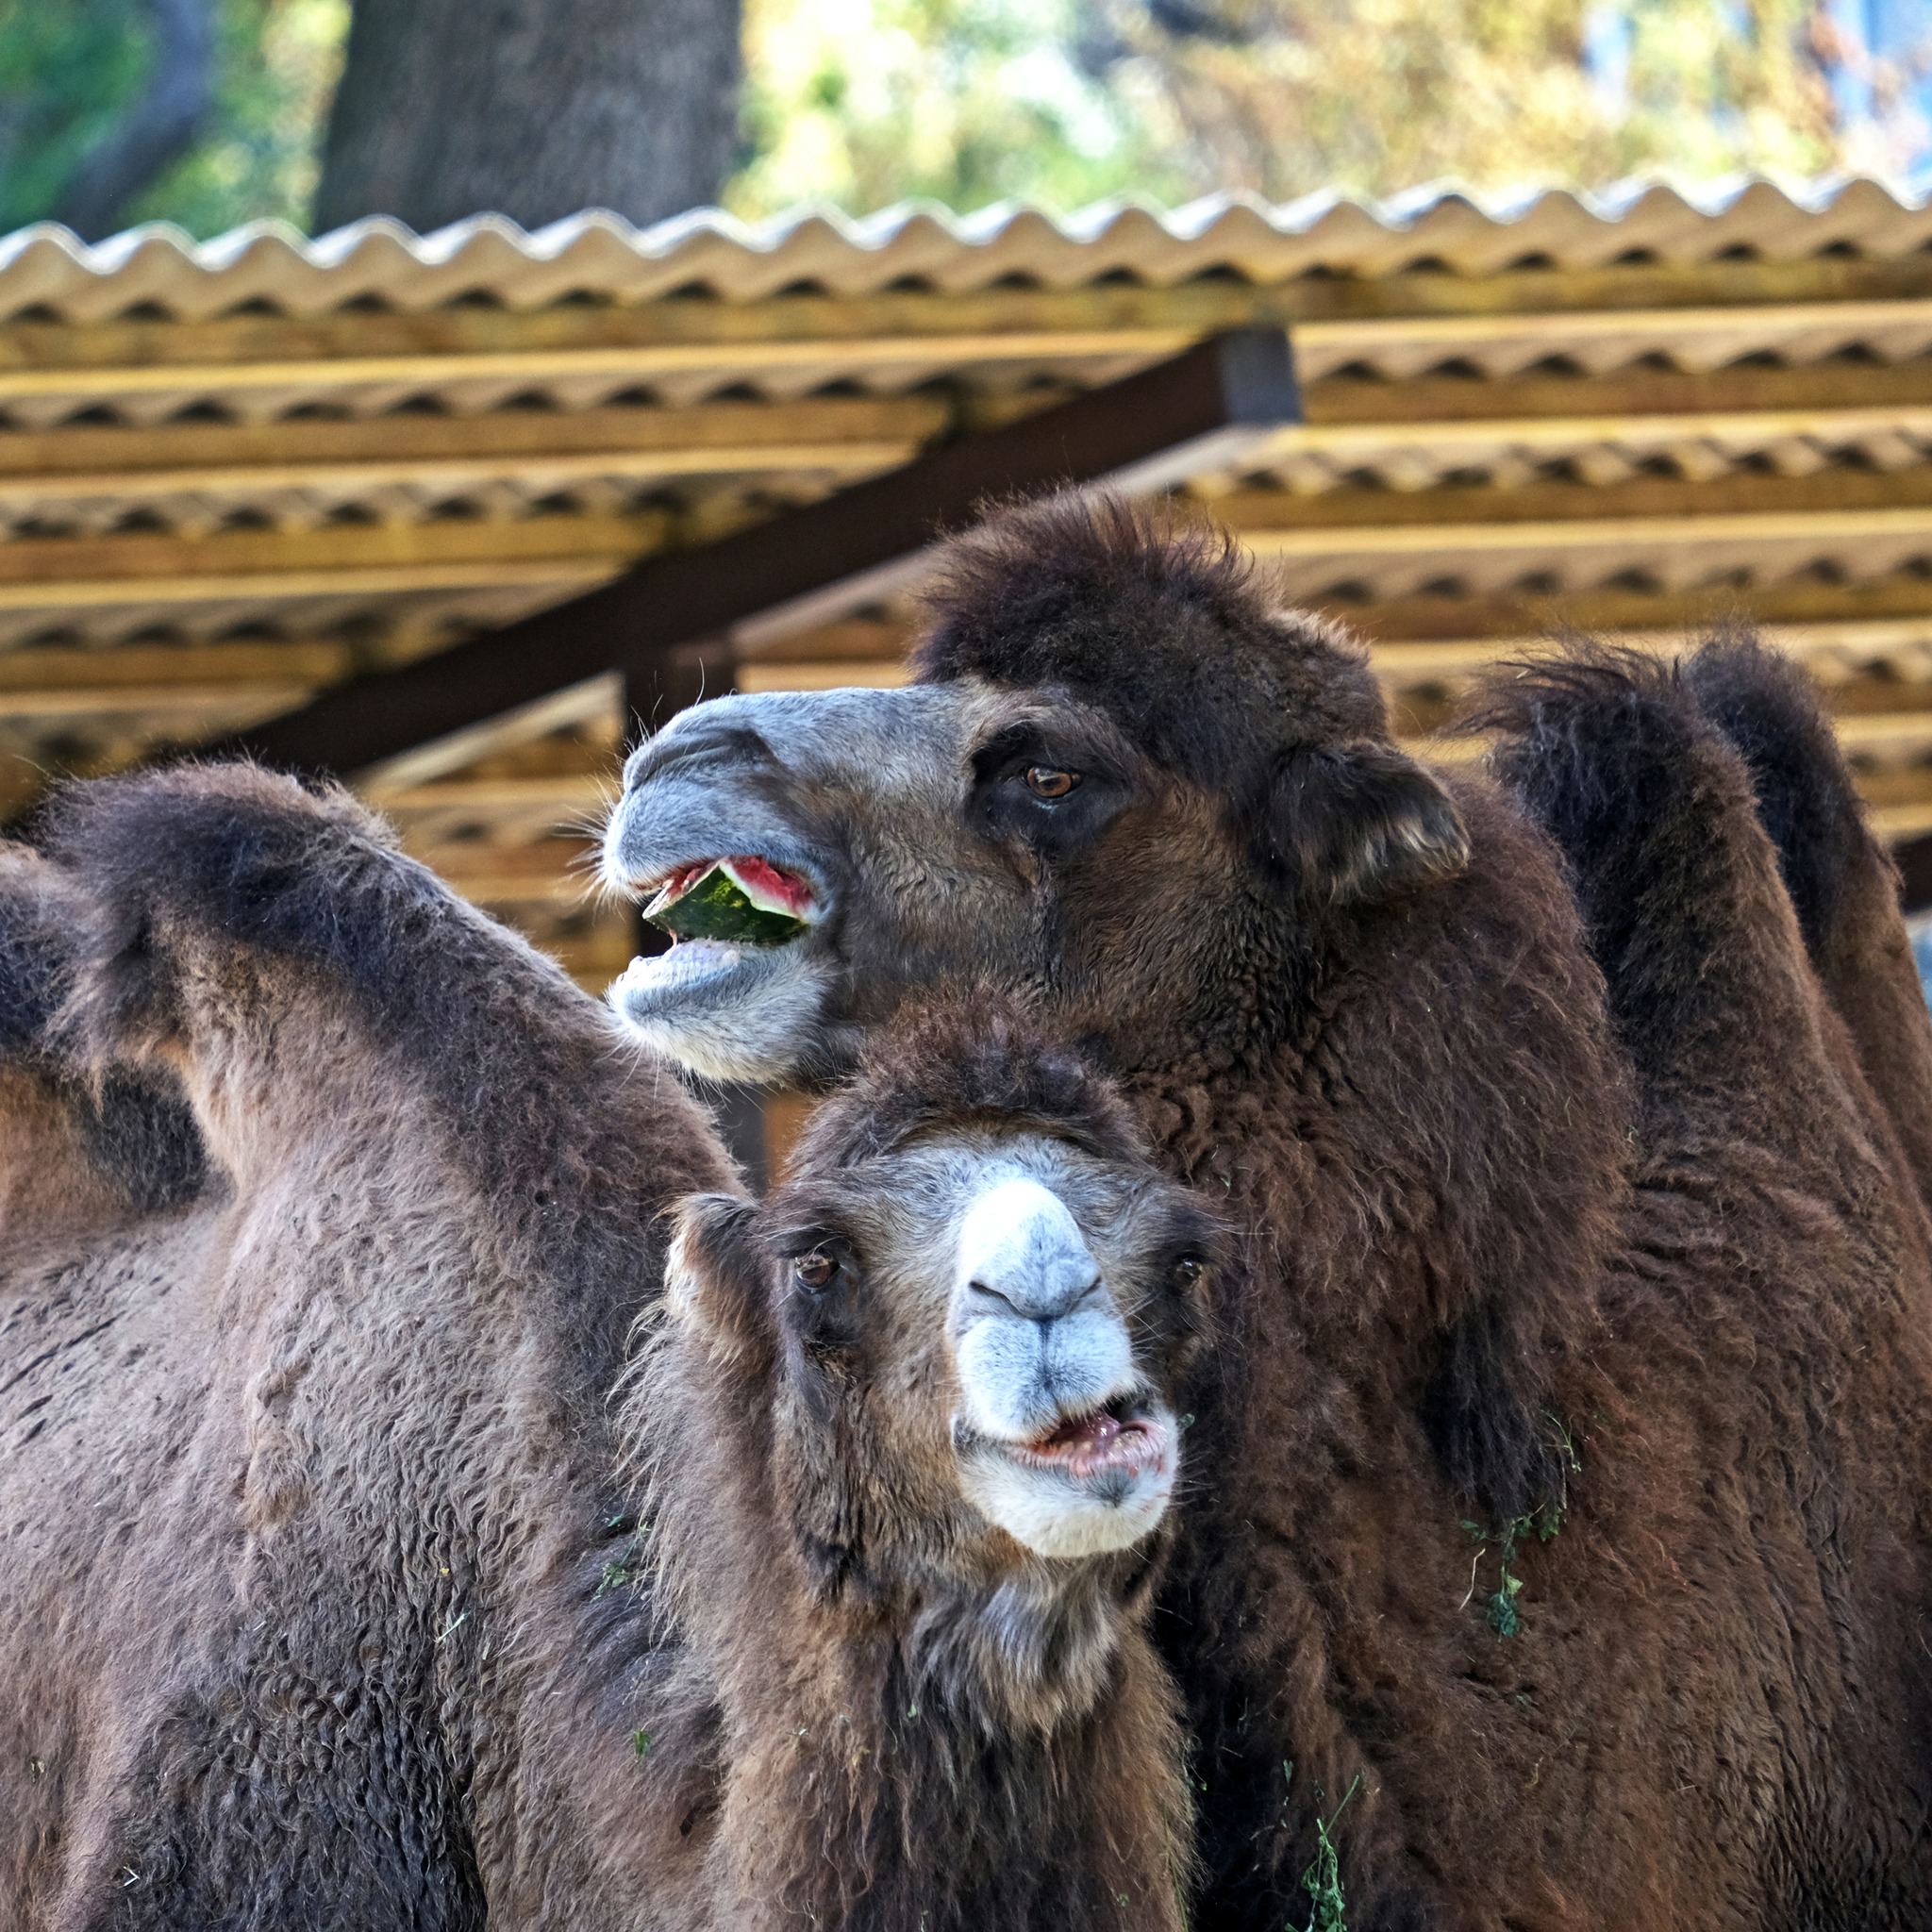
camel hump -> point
(1609, 751)
(200, 879)
(35, 956)
(130, 1127)
(1843, 885)
(265, 942)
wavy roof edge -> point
(597, 253)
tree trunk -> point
(533, 108)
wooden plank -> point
(1400, 663)
(1833, 384)
(1256, 514)
(456, 473)
(1893, 822)
(1555, 333)
(306, 662)
(841, 673)
(578, 704)
(1808, 529)
(1558, 433)
(174, 702)
(1196, 306)
(1513, 612)
(561, 574)
(455, 541)
(569, 793)
(411, 436)
(1143, 431)
(642, 363)
(1113, 309)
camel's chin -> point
(1067, 1509)
(726, 1012)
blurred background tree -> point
(864, 102)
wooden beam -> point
(1144, 431)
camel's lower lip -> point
(1113, 1440)
(687, 963)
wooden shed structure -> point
(320, 494)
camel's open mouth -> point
(1119, 1440)
(741, 900)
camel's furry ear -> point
(715, 1277)
(1359, 823)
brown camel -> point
(1561, 1546)
(323, 1600)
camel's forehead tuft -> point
(1160, 622)
(972, 1059)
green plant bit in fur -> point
(1544, 1522)
(719, 908)
(1322, 1881)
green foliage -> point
(1542, 1522)
(68, 71)
(260, 157)
(1322, 1881)
(862, 102)
(866, 101)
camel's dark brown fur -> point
(310, 1478)
(1843, 885)
(1635, 1273)
(324, 1598)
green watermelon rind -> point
(717, 909)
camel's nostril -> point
(993, 1294)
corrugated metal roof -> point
(601, 255)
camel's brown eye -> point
(1049, 781)
(814, 1271)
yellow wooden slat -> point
(761, 674)
(565, 573)
(455, 473)
(502, 435)
(1582, 533)
(1553, 332)
(1893, 822)
(171, 700)
(639, 363)
(1748, 428)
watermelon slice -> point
(743, 900)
